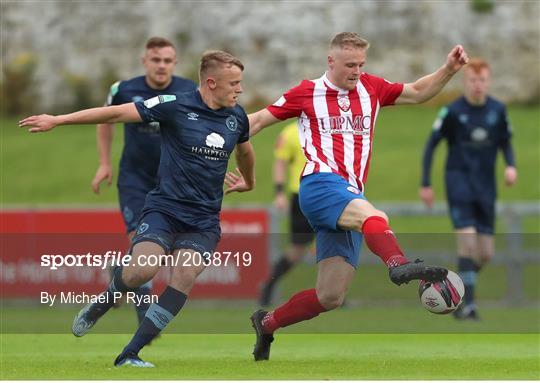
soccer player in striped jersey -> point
(336, 116)
(475, 126)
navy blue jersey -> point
(474, 134)
(142, 141)
(196, 145)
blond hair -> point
(212, 60)
(348, 40)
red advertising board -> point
(34, 240)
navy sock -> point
(469, 295)
(116, 286)
(467, 269)
(143, 306)
(279, 270)
(170, 302)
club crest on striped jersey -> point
(344, 102)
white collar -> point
(331, 85)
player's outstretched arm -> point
(104, 133)
(260, 120)
(428, 86)
(243, 179)
(106, 114)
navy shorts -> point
(301, 231)
(479, 214)
(171, 233)
(323, 197)
(132, 200)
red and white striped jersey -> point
(336, 125)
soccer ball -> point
(442, 297)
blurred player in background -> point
(289, 158)
(139, 163)
(336, 117)
(199, 132)
(475, 127)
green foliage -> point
(482, 6)
(109, 76)
(81, 90)
(18, 83)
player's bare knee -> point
(184, 273)
(331, 300)
(295, 253)
(372, 213)
(468, 250)
(183, 278)
(485, 258)
(135, 278)
(382, 214)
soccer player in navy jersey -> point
(475, 127)
(336, 116)
(199, 131)
(137, 174)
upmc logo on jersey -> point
(346, 124)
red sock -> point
(381, 240)
(302, 306)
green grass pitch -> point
(294, 356)
(207, 342)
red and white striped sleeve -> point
(387, 92)
(291, 103)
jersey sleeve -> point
(387, 92)
(441, 123)
(157, 109)
(439, 130)
(112, 98)
(504, 141)
(506, 126)
(291, 103)
(244, 136)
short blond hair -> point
(212, 60)
(348, 40)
